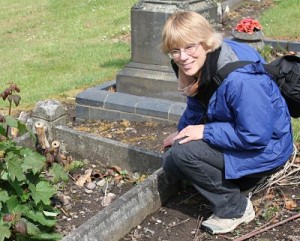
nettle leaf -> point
(12, 204)
(3, 198)
(43, 191)
(5, 232)
(7, 145)
(17, 189)
(4, 176)
(48, 236)
(14, 168)
(40, 218)
(38, 234)
(21, 208)
(11, 121)
(50, 214)
(32, 229)
(32, 160)
(22, 128)
(2, 130)
(58, 172)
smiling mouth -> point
(187, 66)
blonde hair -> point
(186, 27)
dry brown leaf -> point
(83, 128)
(290, 204)
(297, 160)
(116, 169)
(84, 178)
(125, 123)
(106, 200)
(118, 177)
(108, 135)
(270, 196)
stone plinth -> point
(51, 113)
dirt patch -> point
(180, 218)
(89, 190)
(145, 135)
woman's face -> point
(190, 59)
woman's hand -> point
(190, 133)
(169, 140)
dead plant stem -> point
(193, 195)
(199, 222)
(255, 232)
(184, 221)
(64, 211)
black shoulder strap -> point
(227, 69)
(230, 67)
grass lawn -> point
(56, 48)
(282, 20)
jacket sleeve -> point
(193, 114)
(250, 125)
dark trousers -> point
(203, 165)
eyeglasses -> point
(189, 50)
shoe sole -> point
(248, 220)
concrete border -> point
(286, 45)
(115, 221)
(106, 151)
(97, 103)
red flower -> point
(248, 25)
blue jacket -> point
(246, 116)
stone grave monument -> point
(149, 72)
(146, 87)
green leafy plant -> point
(25, 192)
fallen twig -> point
(193, 195)
(64, 211)
(255, 232)
(226, 237)
(74, 180)
(184, 221)
(199, 222)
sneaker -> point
(216, 225)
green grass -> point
(50, 48)
(282, 20)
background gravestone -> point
(149, 73)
